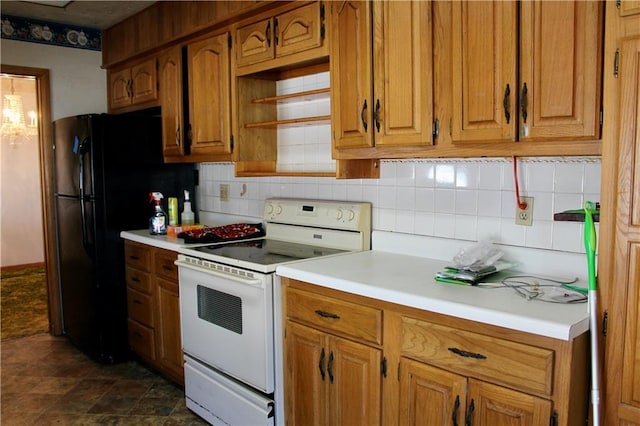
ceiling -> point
(84, 13)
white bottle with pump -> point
(187, 216)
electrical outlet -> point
(525, 216)
(224, 192)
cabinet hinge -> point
(398, 371)
(616, 63)
(383, 367)
(618, 3)
(229, 40)
(231, 142)
(436, 129)
(553, 420)
(157, 72)
(605, 323)
(601, 117)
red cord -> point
(521, 205)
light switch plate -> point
(224, 192)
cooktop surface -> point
(265, 251)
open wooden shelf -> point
(292, 122)
(309, 95)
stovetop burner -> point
(266, 252)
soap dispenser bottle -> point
(187, 215)
(158, 222)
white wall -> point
(471, 199)
(78, 84)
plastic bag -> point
(478, 256)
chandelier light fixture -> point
(14, 128)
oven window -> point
(221, 309)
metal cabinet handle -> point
(469, 419)
(376, 115)
(456, 408)
(330, 366)
(362, 115)
(325, 314)
(167, 267)
(137, 302)
(320, 364)
(523, 102)
(276, 39)
(466, 354)
(267, 32)
(505, 103)
(178, 136)
(135, 279)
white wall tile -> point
(470, 199)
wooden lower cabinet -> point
(345, 365)
(154, 308)
(331, 380)
(432, 396)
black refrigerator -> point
(105, 168)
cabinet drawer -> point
(138, 256)
(140, 307)
(141, 340)
(520, 366)
(349, 319)
(137, 279)
(164, 266)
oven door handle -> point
(248, 281)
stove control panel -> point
(345, 215)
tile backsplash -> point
(470, 199)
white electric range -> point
(230, 306)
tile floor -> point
(46, 381)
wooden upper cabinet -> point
(171, 101)
(133, 85)
(402, 78)
(351, 74)
(484, 36)
(551, 91)
(559, 63)
(296, 31)
(381, 74)
(209, 83)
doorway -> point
(42, 121)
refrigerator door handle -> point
(88, 246)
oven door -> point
(227, 320)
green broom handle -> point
(590, 242)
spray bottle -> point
(158, 222)
(187, 215)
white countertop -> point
(408, 280)
(162, 241)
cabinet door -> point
(402, 104)
(171, 101)
(622, 373)
(354, 383)
(430, 396)
(351, 70)
(629, 7)
(144, 82)
(210, 95)
(559, 65)
(298, 30)
(119, 88)
(484, 84)
(306, 377)
(255, 43)
(491, 405)
(169, 353)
